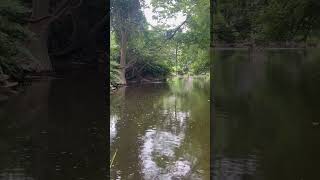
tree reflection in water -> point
(163, 131)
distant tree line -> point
(265, 21)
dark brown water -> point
(161, 131)
(55, 130)
(266, 124)
(267, 114)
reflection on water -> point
(113, 129)
(55, 130)
(14, 174)
(267, 115)
(162, 131)
(236, 168)
(160, 146)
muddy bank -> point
(10, 86)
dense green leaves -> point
(161, 50)
(266, 21)
(192, 42)
(12, 35)
(126, 15)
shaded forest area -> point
(46, 36)
(145, 52)
(275, 23)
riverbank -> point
(142, 80)
(64, 117)
(6, 87)
(10, 86)
(271, 45)
(115, 87)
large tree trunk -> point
(123, 53)
(38, 44)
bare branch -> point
(38, 19)
(131, 63)
(64, 7)
(177, 29)
(99, 24)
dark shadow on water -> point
(55, 129)
(267, 115)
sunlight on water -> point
(158, 138)
(113, 129)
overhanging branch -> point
(177, 29)
(64, 6)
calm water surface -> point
(55, 130)
(161, 131)
(266, 124)
(267, 115)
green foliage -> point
(114, 73)
(149, 51)
(291, 20)
(265, 21)
(12, 35)
(114, 60)
(193, 41)
(126, 16)
(222, 30)
(114, 48)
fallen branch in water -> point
(113, 157)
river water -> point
(55, 130)
(161, 131)
(266, 123)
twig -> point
(113, 157)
